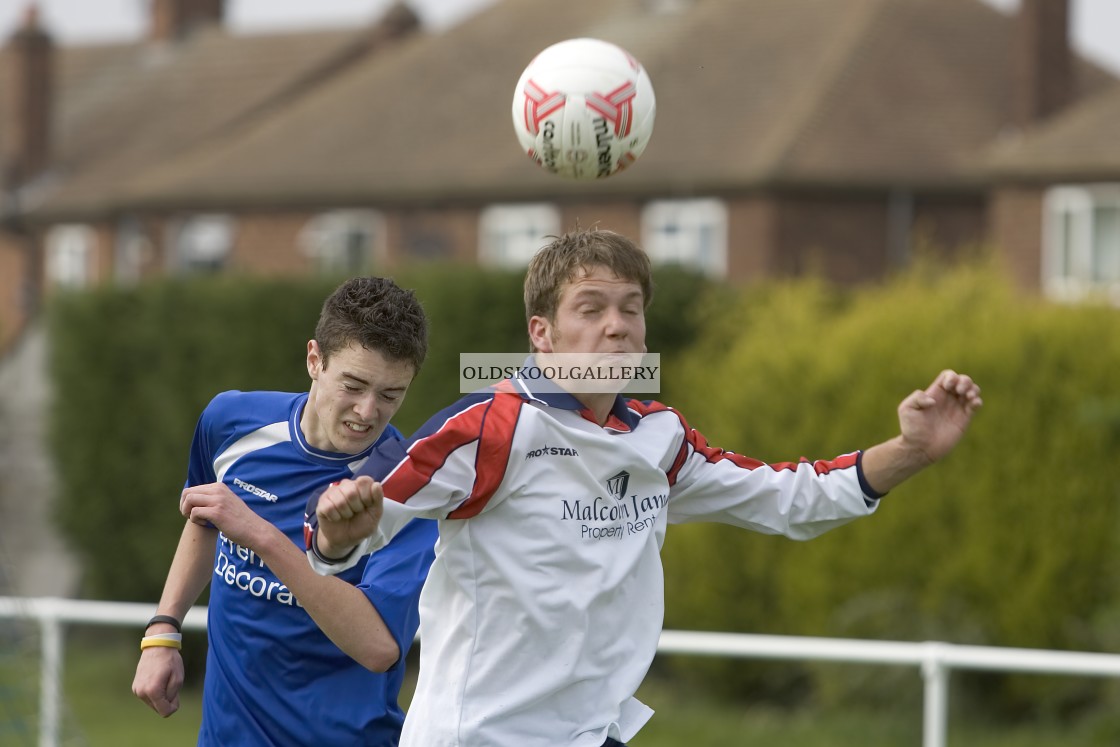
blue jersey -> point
(268, 665)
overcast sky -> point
(1096, 23)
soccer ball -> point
(584, 109)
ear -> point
(314, 360)
(540, 334)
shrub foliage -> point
(1011, 541)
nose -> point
(616, 326)
(366, 407)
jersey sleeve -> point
(393, 578)
(200, 464)
(800, 500)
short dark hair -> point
(582, 249)
(377, 314)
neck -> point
(599, 404)
(308, 422)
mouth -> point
(358, 428)
(627, 357)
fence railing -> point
(934, 660)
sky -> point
(1096, 23)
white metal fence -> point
(934, 660)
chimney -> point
(398, 20)
(25, 130)
(174, 20)
(1043, 61)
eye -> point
(390, 397)
(351, 388)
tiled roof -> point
(125, 109)
(750, 93)
(1081, 144)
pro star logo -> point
(618, 484)
(551, 451)
(259, 492)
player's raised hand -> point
(933, 420)
(348, 512)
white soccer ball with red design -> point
(584, 109)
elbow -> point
(379, 657)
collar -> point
(548, 393)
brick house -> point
(1056, 201)
(793, 136)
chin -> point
(353, 444)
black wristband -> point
(165, 619)
(329, 561)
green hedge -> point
(1011, 541)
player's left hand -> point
(214, 504)
(933, 420)
(348, 512)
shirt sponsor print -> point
(616, 515)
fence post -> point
(935, 696)
(50, 677)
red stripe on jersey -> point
(427, 455)
(712, 454)
(821, 466)
(492, 456)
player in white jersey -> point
(543, 608)
(280, 639)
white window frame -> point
(344, 241)
(203, 242)
(71, 251)
(130, 250)
(691, 233)
(1072, 240)
(509, 235)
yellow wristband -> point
(152, 641)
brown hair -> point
(377, 314)
(582, 249)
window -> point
(343, 242)
(511, 234)
(131, 250)
(202, 243)
(70, 255)
(691, 233)
(1081, 243)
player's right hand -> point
(348, 512)
(159, 677)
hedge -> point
(1012, 540)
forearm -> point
(887, 465)
(190, 570)
(327, 549)
(342, 611)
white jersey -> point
(543, 609)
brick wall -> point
(1016, 229)
(13, 271)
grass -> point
(100, 711)
(697, 720)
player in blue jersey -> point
(544, 606)
(283, 641)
